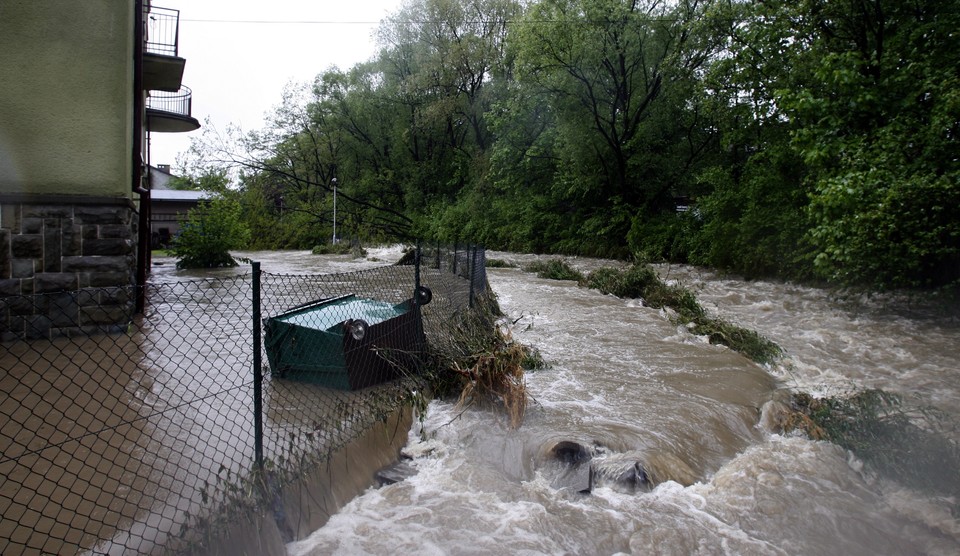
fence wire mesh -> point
(133, 436)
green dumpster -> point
(346, 342)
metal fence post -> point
(473, 272)
(257, 373)
(416, 275)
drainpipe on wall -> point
(143, 229)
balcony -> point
(162, 67)
(171, 112)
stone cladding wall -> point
(66, 266)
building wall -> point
(167, 217)
(68, 219)
(66, 266)
(66, 97)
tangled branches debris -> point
(494, 378)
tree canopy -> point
(812, 139)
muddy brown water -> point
(105, 444)
(626, 382)
(623, 381)
(110, 441)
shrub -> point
(555, 269)
(211, 230)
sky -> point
(242, 53)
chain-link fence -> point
(132, 437)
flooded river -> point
(670, 424)
(675, 420)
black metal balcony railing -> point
(161, 30)
(180, 102)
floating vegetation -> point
(498, 263)
(533, 360)
(480, 364)
(906, 444)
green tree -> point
(214, 180)
(751, 197)
(445, 62)
(611, 78)
(879, 129)
(211, 230)
(404, 135)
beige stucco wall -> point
(66, 97)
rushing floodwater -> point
(638, 390)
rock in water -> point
(570, 452)
(574, 469)
(632, 472)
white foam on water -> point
(785, 495)
(624, 377)
(389, 253)
(926, 512)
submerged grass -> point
(554, 269)
(642, 281)
(906, 444)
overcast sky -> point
(241, 54)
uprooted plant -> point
(480, 364)
(494, 378)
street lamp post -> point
(334, 180)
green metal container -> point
(345, 343)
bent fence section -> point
(142, 435)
